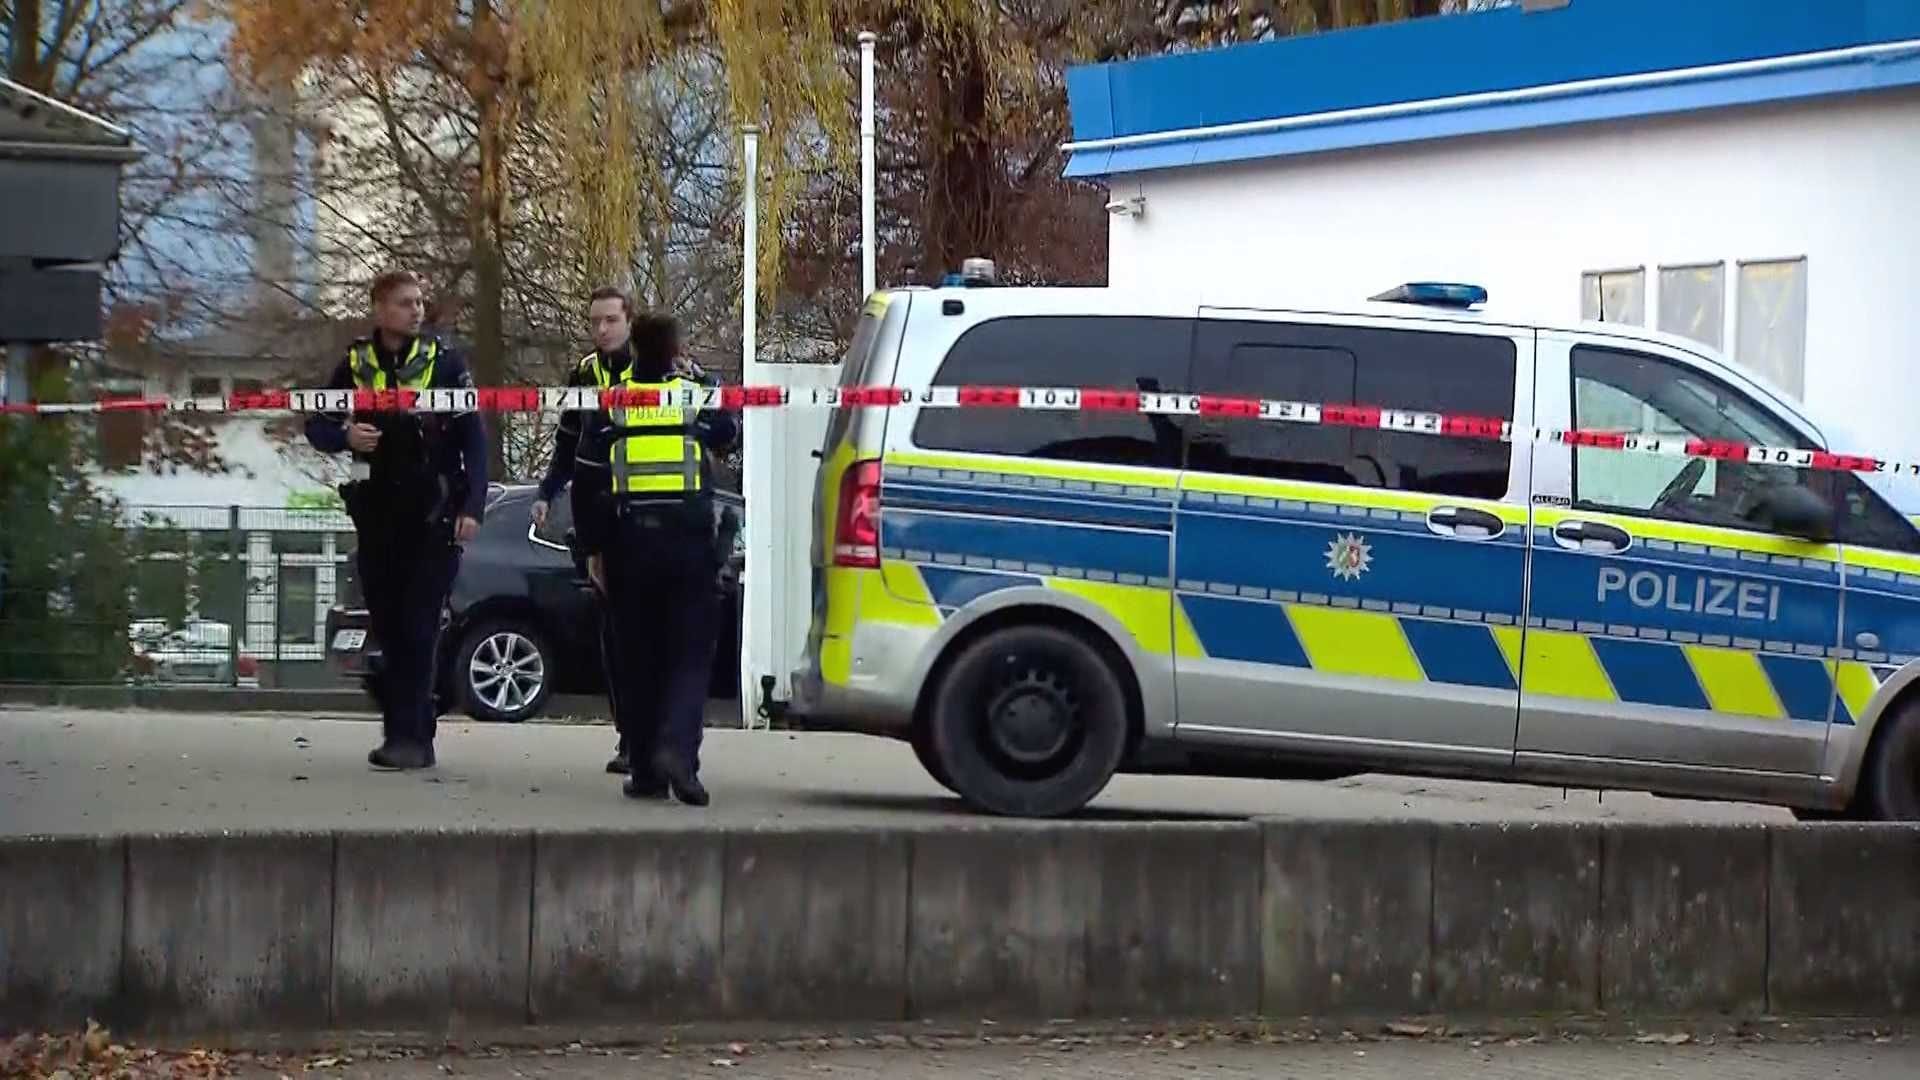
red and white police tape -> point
(528, 399)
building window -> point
(289, 542)
(1771, 335)
(249, 386)
(1614, 296)
(1693, 302)
(297, 595)
(204, 386)
(122, 439)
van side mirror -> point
(1794, 510)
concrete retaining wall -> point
(443, 932)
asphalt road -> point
(1440, 1060)
(79, 772)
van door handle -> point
(1591, 536)
(1465, 521)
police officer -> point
(418, 492)
(656, 557)
(662, 570)
(580, 460)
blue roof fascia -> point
(1453, 55)
(1443, 121)
(1089, 100)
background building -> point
(1735, 171)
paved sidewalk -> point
(81, 772)
(1440, 1060)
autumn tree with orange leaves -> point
(570, 171)
(380, 41)
(530, 89)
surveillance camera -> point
(1131, 207)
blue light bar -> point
(1435, 294)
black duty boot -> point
(686, 786)
(621, 762)
(401, 755)
(644, 785)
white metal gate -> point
(777, 482)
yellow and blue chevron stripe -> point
(1268, 572)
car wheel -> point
(1890, 782)
(922, 740)
(504, 670)
(1029, 721)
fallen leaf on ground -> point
(95, 1042)
(93, 1055)
(1403, 1028)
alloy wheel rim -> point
(506, 672)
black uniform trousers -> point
(662, 585)
(405, 576)
(610, 664)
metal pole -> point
(867, 253)
(236, 557)
(757, 428)
(750, 213)
(18, 357)
(279, 597)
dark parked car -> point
(521, 624)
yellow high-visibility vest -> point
(414, 373)
(653, 450)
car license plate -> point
(349, 640)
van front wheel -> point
(922, 741)
(1029, 721)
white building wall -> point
(1527, 214)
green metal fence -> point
(218, 595)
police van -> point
(1037, 599)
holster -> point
(389, 509)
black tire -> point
(504, 645)
(1029, 721)
(1890, 780)
(922, 740)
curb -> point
(462, 932)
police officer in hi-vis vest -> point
(418, 492)
(652, 547)
(579, 463)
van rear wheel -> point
(1029, 721)
(1890, 783)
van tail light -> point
(856, 524)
